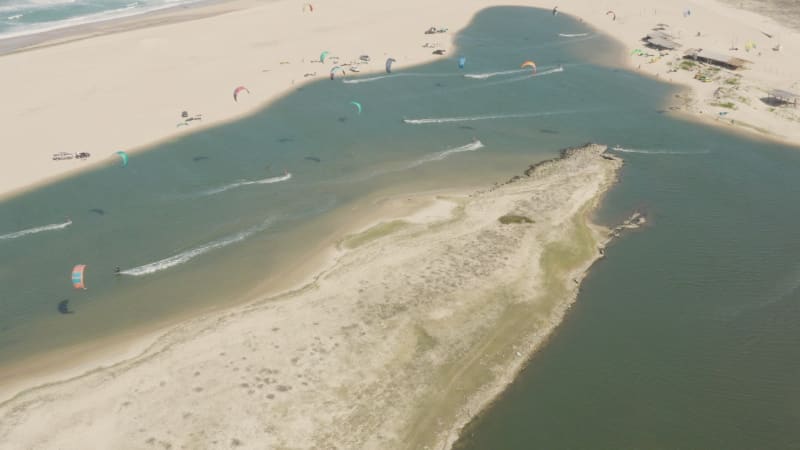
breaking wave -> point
(184, 257)
(21, 233)
(573, 35)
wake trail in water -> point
(483, 76)
(21, 233)
(658, 152)
(366, 80)
(184, 257)
(228, 187)
(431, 157)
(434, 120)
(397, 75)
(439, 156)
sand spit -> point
(416, 326)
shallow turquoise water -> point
(684, 336)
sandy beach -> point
(127, 90)
(419, 322)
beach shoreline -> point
(76, 360)
(441, 224)
(481, 398)
(170, 79)
(27, 41)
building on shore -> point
(715, 58)
(660, 40)
(780, 97)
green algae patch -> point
(511, 218)
(373, 233)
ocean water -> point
(683, 337)
(24, 17)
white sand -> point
(413, 329)
(126, 90)
(721, 27)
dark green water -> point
(685, 336)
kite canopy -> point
(335, 69)
(124, 157)
(612, 14)
(389, 62)
(77, 276)
(322, 56)
(357, 105)
(237, 91)
(462, 62)
(530, 64)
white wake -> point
(21, 233)
(188, 255)
(434, 120)
(228, 187)
(658, 152)
(439, 156)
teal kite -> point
(357, 105)
(124, 157)
(322, 56)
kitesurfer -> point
(117, 270)
(63, 307)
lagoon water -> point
(684, 336)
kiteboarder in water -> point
(63, 307)
(117, 271)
